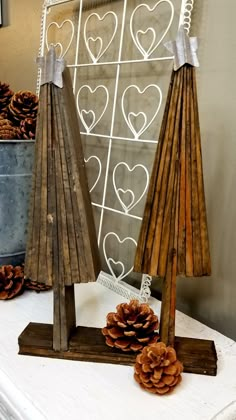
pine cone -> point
(7, 131)
(24, 104)
(157, 369)
(11, 281)
(5, 97)
(27, 128)
(34, 285)
(132, 327)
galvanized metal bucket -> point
(16, 160)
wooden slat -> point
(162, 182)
(197, 255)
(42, 260)
(206, 263)
(142, 245)
(181, 268)
(188, 196)
(88, 344)
(70, 214)
(50, 192)
(172, 188)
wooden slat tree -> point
(62, 246)
(173, 238)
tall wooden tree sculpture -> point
(173, 238)
(62, 247)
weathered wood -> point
(188, 196)
(181, 269)
(62, 247)
(88, 344)
(167, 321)
(206, 262)
(174, 221)
(162, 183)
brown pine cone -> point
(11, 281)
(24, 104)
(5, 97)
(7, 131)
(132, 327)
(157, 369)
(27, 128)
(34, 285)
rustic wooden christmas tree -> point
(174, 238)
(62, 247)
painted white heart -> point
(116, 263)
(90, 111)
(135, 36)
(59, 44)
(117, 190)
(127, 116)
(126, 193)
(123, 273)
(103, 48)
(140, 34)
(135, 117)
(95, 42)
(84, 115)
(99, 170)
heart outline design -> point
(90, 111)
(58, 44)
(103, 50)
(98, 38)
(80, 111)
(142, 129)
(141, 92)
(145, 53)
(99, 170)
(126, 208)
(140, 32)
(108, 259)
(135, 202)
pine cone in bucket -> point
(5, 97)
(132, 327)
(11, 281)
(7, 131)
(24, 104)
(27, 128)
(157, 369)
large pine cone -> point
(7, 131)
(11, 281)
(132, 327)
(24, 104)
(27, 128)
(157, 369)
(5, 97)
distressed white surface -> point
(34, 388)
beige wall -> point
(19, 43)
(211, 300)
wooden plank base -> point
(88, 344)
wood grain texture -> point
(173, 238)
(179, 141)
(88, 344)
(61, 246)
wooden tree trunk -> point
(64, 321)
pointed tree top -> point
(51, 67)
(184, 49)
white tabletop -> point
(33, 388)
